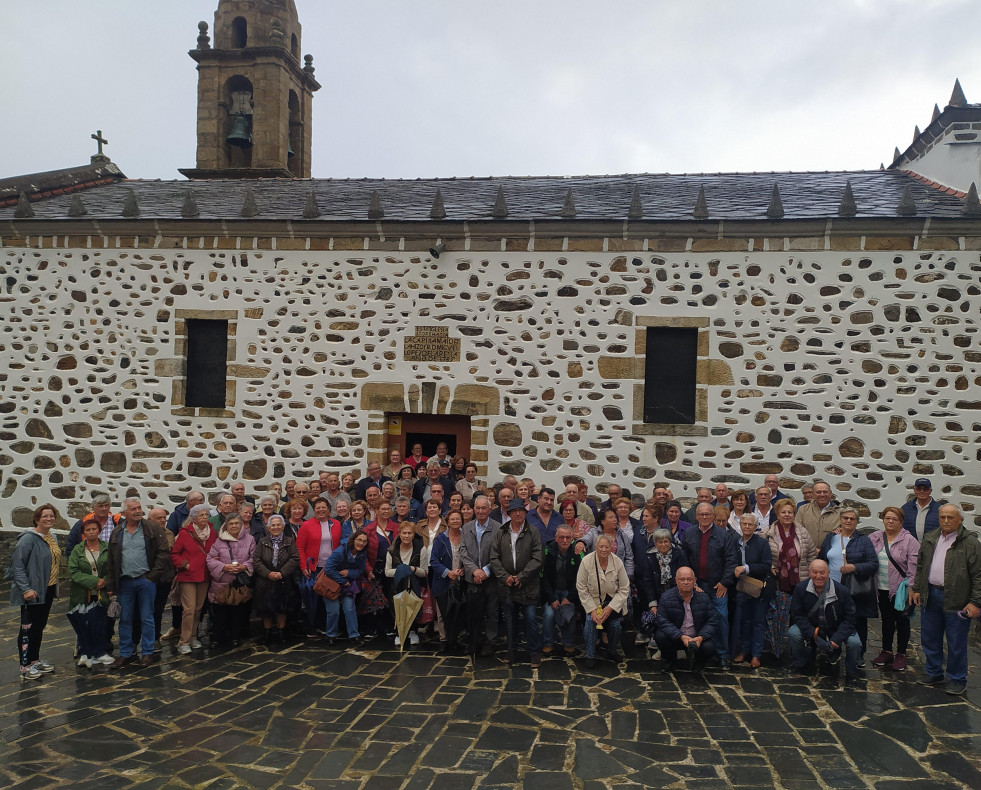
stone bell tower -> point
(255, 98)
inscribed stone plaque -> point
(432, 344)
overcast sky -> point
(508, 87)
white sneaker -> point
(83, 661)
(173, 633)
(183, 649)
(105, 659)
(33, 672)
(657, 655)
(196, 645)
(413, 638)
(398, 642)
(44, 666)
(640, 639)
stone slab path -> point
(309, 716)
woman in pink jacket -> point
(897, 550)
(229, 557)
(189, 556)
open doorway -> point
(429, 430)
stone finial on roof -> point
(972, 208)
(907, 206)
(77, 207)
(957, 97)
(308, 66)
(437, 211)
(311, 210)
(23, 210)
(916, 132)
(847, 207)
(375, 210)
(701, 210)
(249, 207)
(189, 208)
(204, 40)
(636, 210)
(775, 209)
(131, 208)
(500, 210)
(936, 113)
(569, 207)
(896, 154)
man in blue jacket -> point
(712, 553)
(686, 620)
(922, 513)
(822, 616)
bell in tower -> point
(255, 98)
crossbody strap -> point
(885, 543)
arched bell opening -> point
(295, 150)
(238, 124)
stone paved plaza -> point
(309, 716)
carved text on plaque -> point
(432, 344)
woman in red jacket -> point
(315, 541)
(189, 557)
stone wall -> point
(815, 359)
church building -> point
(246, 322)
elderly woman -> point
(466, 510)
(349, 483)
(373, 609)
(469, 485)
(358, 519)
(294, 514)
(739, 500)
(455, 501)
(792, 551)
(275, 563)
(407, 565)
(189, 557)
(433, 523)
(317, 539)
(720, 516)
(33, 573)
(389, 492)
(604, 590)
(851, 561)
(755, 562)
(246, 510)
(447, 581)
(569, 511)
(622, 508)
(523, 493)
(87, 595)
(346, 566)
(672, 521)
(621, 540)
(231, 601)
(657, 563)
(267, 507)
(897, 551)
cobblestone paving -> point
(308, 716)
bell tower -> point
(255, 98)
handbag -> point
(901, 599)
(427, 613)
(233, 595)
(326, 587)
(859, 588)
(749, 585)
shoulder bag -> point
(859, 588)
(900, 601)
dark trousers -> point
(452, 625)
(893, 623)
(483, 605)
(33, 619)
(669, 647)
(92, 634)
(231, 622)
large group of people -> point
(744, 576)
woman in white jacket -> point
(604, 590)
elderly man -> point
(586, 499)
(101, 512)
(773, 483)
(516, 559)
(500, 513)
(139, 557)
(181, 512)
(922, 513)
(422, 490)
(475, 556)
(373, 496)
(613, 493)
(544, 518)
(763, 508)
(821, 516)
(226, 506)
(330, 487)
(238, 491)
(686, 620)
(712, 554)
(702, 496)
(374, 478)
(948, 586)
(722, 496)
(822, 616)
(583, 511)
(560, 566)
(807, 492)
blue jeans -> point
(533, 638)
(136, 595)
(548, 623)
(350, 616)
(803, 650)
(722, 608)
(752, 624)
(934, 623)
(611, 627)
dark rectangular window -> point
(669, 375)
(207, 352)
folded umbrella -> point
(407, 606)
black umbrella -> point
(89, 622)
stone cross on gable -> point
(101, 141)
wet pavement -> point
(309, 716)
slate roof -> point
(664, 197)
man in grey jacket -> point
(482, 598)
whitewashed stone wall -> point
(860, 367)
